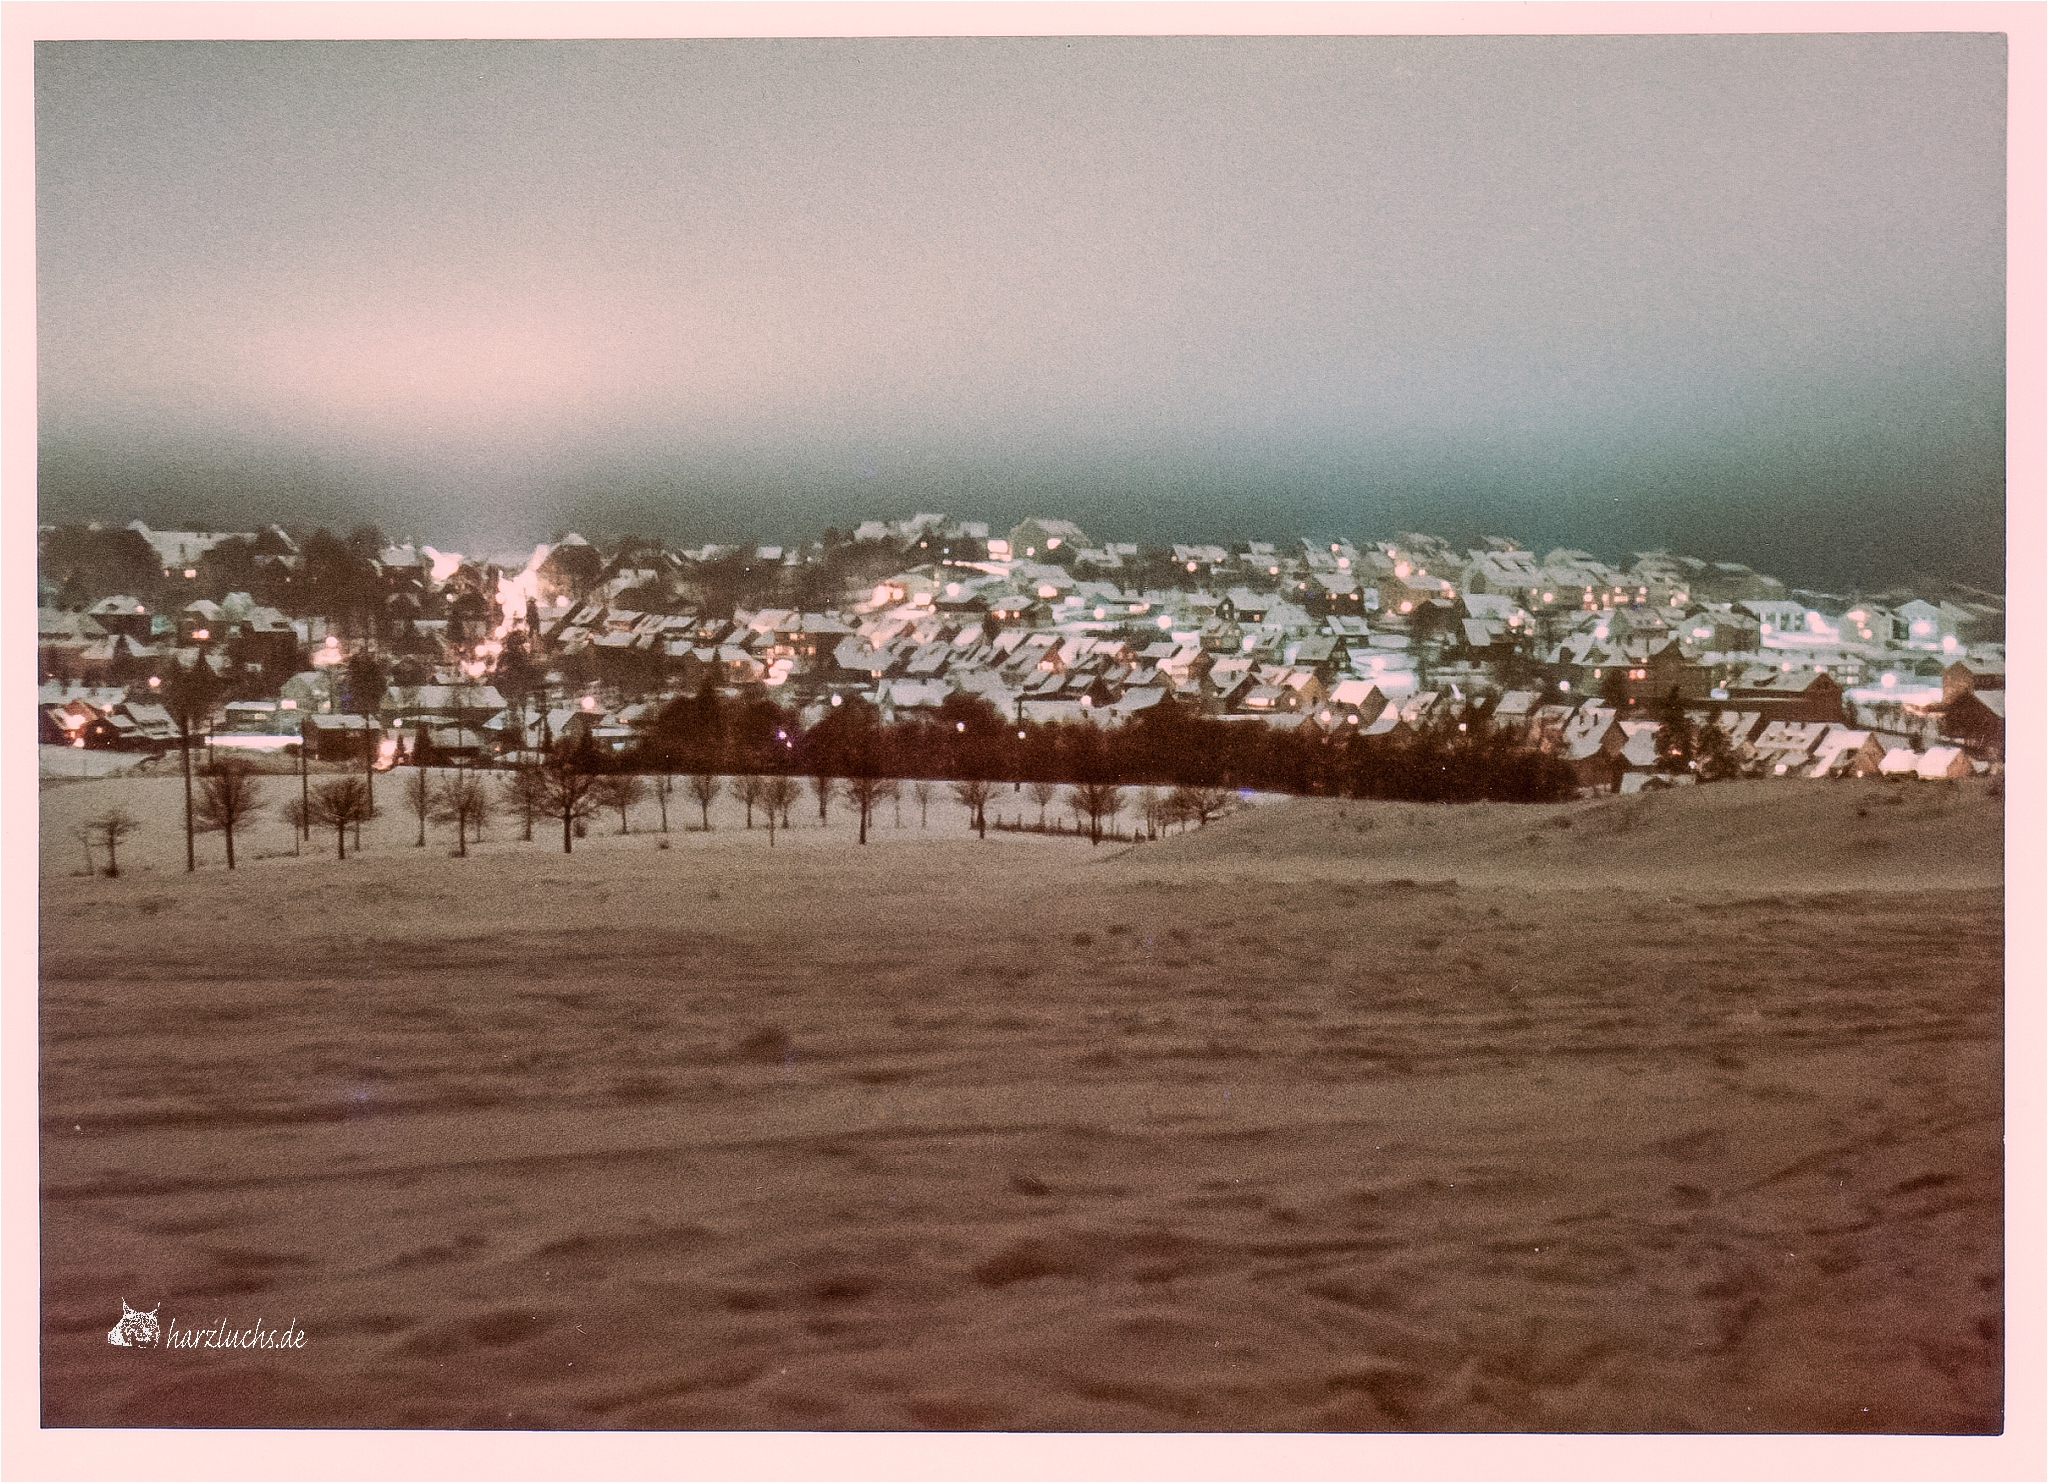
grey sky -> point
(1738, 293)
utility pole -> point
(305, 802)
(419, 757)
(185, 751)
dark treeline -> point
(1167, 745)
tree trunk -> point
(341, 840)
(566, 817)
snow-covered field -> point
(1671, 1113)
(82, 763)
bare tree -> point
(189, 695)
(1200, 804)
(705, 788)
(228, 794)
(747, 789)
(1148, 809)
(822, 786)
(892, 789)
(523, 791)
(461, 801)
(778, 795)
(339, 804)
(922, 790)
(298, 812)
(863, 794)
(664, 787)
(1096, 802)
(109, 829)
(301, 822)
(620, 790)
(973, 795)
(419, 797)
(567, 779)
(1043, 794)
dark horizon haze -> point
(1741, 297)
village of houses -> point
(1578, 657)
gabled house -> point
(1976, 719)
(1791, 695)
(1839, 752)
(1546, 727)
(123, 615)
(1418, 709)
(1971, 677)
(1900, 762)
(1639, 745)
(1514, 709)
(341, 737)
(1593, 745)
(1943, 762)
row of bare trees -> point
(230, 792)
